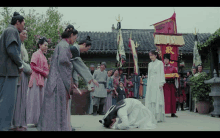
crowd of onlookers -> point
(119, 78)
(186, 87)
(120, 85)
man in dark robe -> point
(187, 89)
(136, 86)
(10, 68)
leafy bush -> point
(199, 89)
(81, 83)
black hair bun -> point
(69, 27)
(88, 38)
(16, 14)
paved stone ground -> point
(186, 121)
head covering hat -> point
(199, 65)
(103, 63)
(121, 82)
(92, 65)
(112, 113)
(166, 56)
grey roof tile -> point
(107, 41)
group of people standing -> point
(116, 87)
(159, 99)
(35, 92)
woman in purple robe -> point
(55, 112)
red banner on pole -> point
(167, 26)
(173, 51)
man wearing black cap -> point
(194, 70)
(169, 87)
(98, 67)
(100, 92)
(92, 68)
(199, 69)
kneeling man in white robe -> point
(131, 113)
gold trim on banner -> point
(168, 39)
(172, 75)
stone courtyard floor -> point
(186, 121)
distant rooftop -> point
(106, 42)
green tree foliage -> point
(5, 18)
(38, 25)
(200, 90)
(210, 40)
(81, 83)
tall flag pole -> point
(134, 53)
(167, 27)
(120, 57)
(196, 57)
(167, 41)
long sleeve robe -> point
(154, 96)
(100, 76)
(55, 110)
(169, 91)
(134, 115)
(9, 64)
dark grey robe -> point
(54, 113)
(10, 62)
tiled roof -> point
(106, 42)
(189, 39)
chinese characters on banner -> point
(167, 26)
(173, 51)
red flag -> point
(167, 26)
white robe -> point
(135, 115)
(154, 98)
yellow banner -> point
(171, 75)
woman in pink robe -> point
(36, 85)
